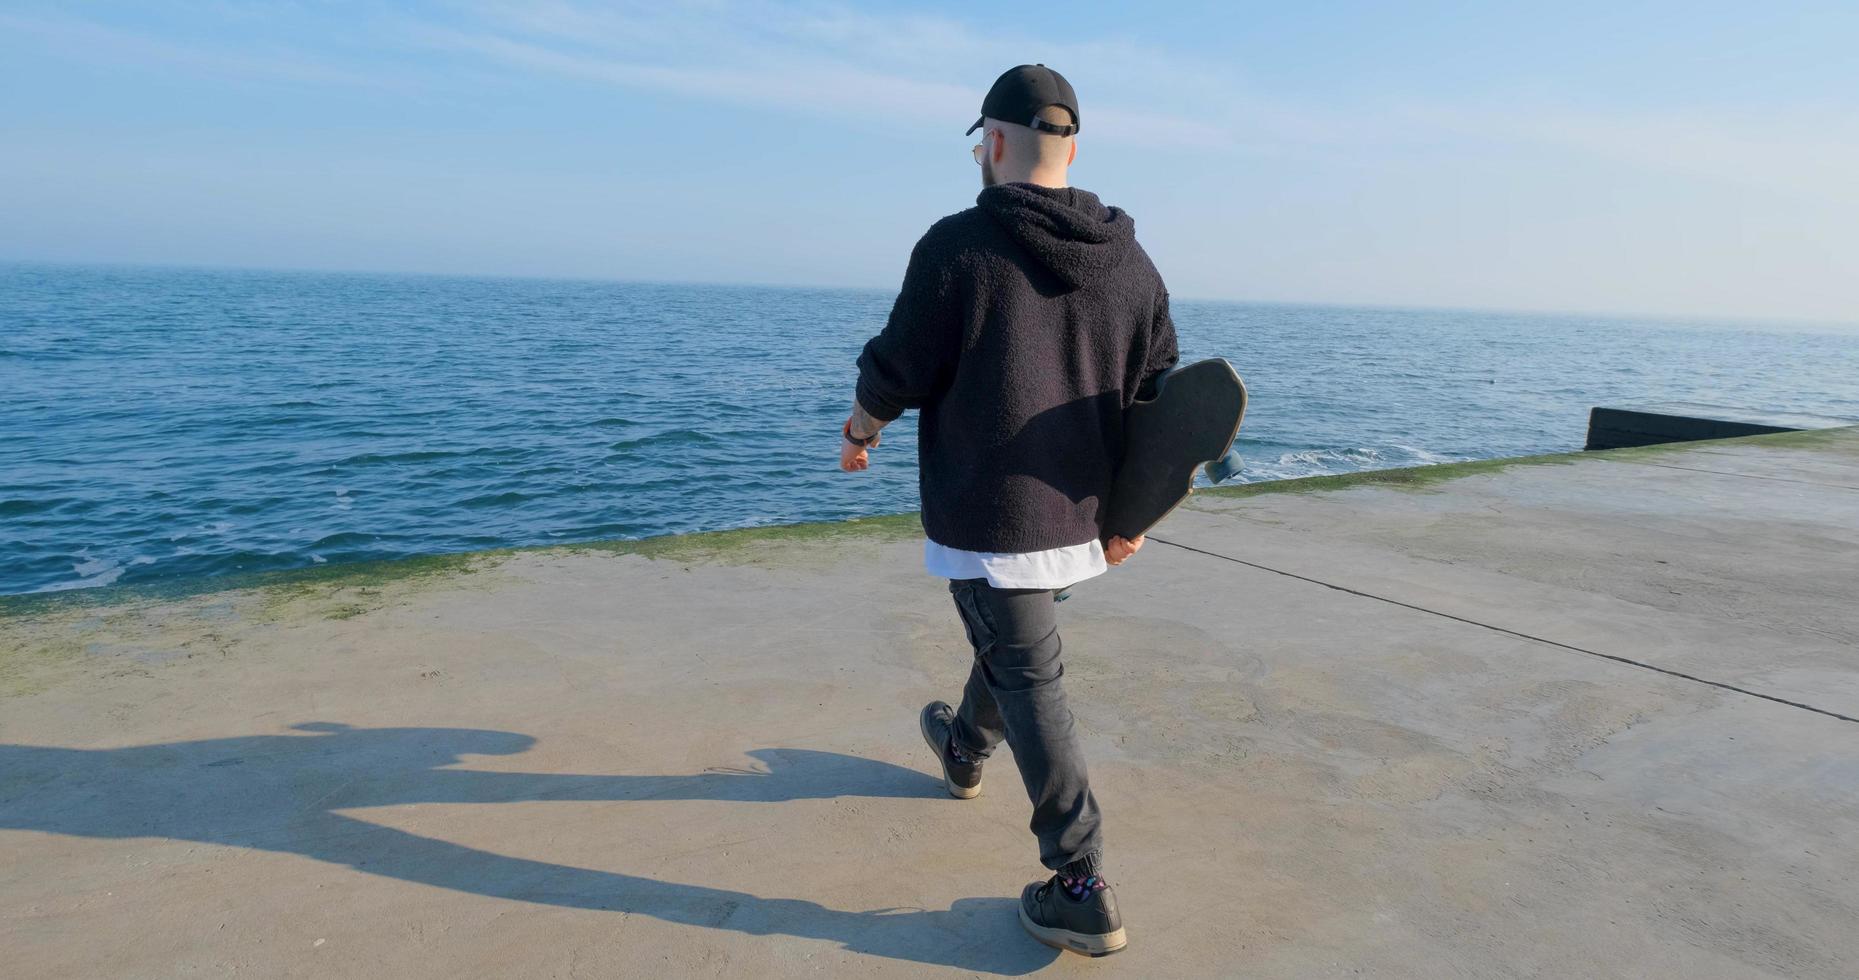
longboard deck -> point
(1191, 421)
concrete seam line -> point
(1522, 636)
(1746, 476)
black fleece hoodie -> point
(1024, 328)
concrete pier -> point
(1587, 715)
(1652, 425)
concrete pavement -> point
(1588, 717)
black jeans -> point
(1014, 692)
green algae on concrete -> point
(1407, 478)
(343, 591)
(279, 586)
(27, 667)
(49, 638)
(44, 634)
(750, 543)
(1426, 477)
(350, 589)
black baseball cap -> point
(1019, 94)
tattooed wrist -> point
(862, 426)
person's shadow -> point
(279, 793)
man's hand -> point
(1119, 550)
(854, 458)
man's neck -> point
(1041, 178)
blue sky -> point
(1673, 158)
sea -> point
(165, 424)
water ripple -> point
(162, 423)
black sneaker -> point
(1088, 924)
(962, 778)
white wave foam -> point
(1426, 457)
(1339, 460)
(90, 572)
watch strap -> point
(846, 430)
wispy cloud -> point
(914, 70)
(819, 60)
(830, 59)
(840, 89)
(886, 70)
(88, 40)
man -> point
(1024, 328)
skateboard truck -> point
(1225, 468)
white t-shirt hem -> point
(1054, 568)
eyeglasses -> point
(981, 148)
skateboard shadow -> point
(279, 793)
(1053, 446)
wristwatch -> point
(846, 430)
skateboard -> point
(1191, 421)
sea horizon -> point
(1792, 324)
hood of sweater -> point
(1068, 230)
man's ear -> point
(1073, 155)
